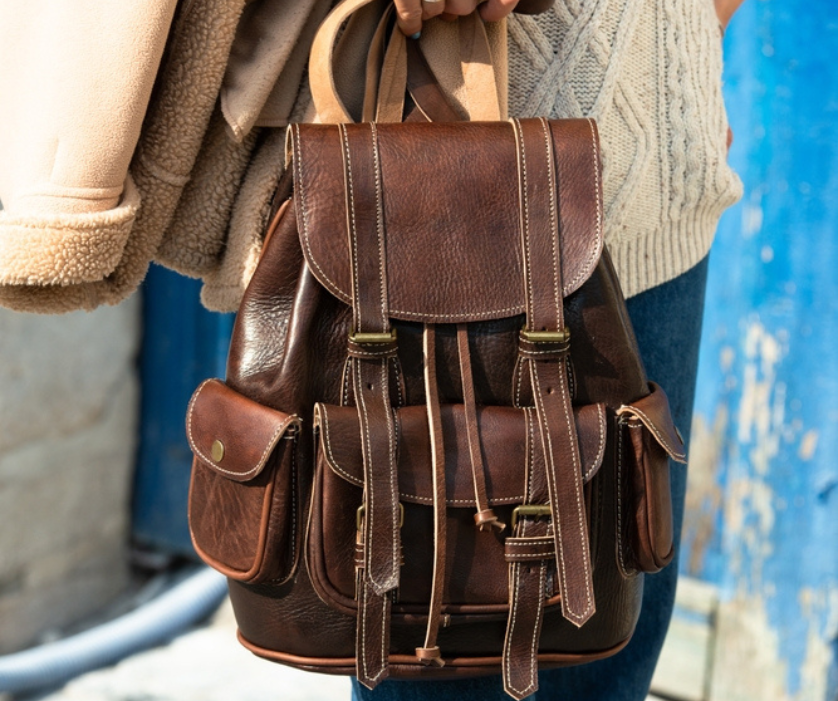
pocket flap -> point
(504, 437)
(232, 434)
(653, 411)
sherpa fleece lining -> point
(65, 248)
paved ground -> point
(206, 664)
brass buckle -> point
(359, 516)
(536, 510)
(367, 338)
(562, 336)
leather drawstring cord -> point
(485, 516)
(430, 654)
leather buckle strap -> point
(560, 337)
(359, 516)
(384, 338)
(371, 347)
(532, 510)
(529, 553)
(545, 342)
(371, 374)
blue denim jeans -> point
(667, 321)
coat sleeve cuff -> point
(65, 249)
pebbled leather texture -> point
(252, 484)
(416, 233)
(650, 439)
(453, 243)
(504, 440)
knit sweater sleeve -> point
(649, 71)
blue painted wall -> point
(183, 344)
(763, 521)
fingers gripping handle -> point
(477, 64)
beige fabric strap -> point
(375, 58)
(478, 79)
(393, 81)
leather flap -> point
(451, 212)
(503, 438)
(653, 411)
(232, 434)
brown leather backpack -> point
(436, 452)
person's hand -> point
(411, 13)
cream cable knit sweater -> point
(648, 70)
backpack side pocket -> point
(647, 440)
(242, 495)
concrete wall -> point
(68, 413)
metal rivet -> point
(218, 451)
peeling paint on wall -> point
(762, 512)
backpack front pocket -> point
(477, 562)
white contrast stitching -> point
(382, 263)
(580, 509)
(551, 481)
(271, 444)
(461, 316)
(190, 409)
(598, 186)
(331, 457)
(397, 366)
(293, 569)
(518, 372)
(378, 354)
(333, 463)
(394, 485)
(523, 190)
(347, 369)
(550, 475)
(554, 228)
(301, 188)
(528, 542)
(365, 447)
(533, 556)
(353, 231)
(651, 426)
(364, 640)
(341, 294)
(571, 377)
(530, 450)
(620, 544)
(547, 352)
(511, 628)
(516, 575)
(598, 459)
(385, 619)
